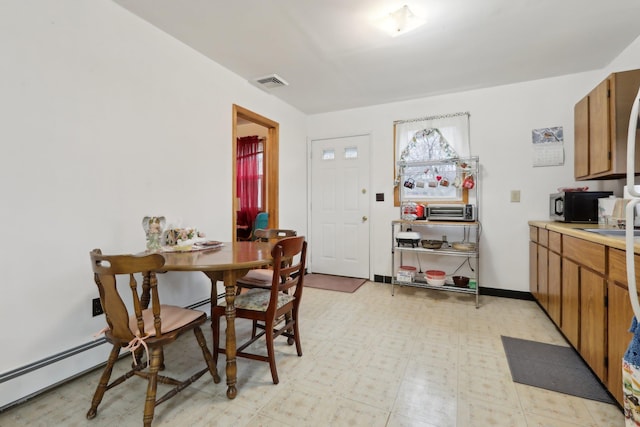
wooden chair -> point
(267, 307)
(260, 222)
(151, 328)
(261, 277)
(266, 234)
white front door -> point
(340, 206)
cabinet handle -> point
(364, 218)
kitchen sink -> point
(611, 231)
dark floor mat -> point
(553, 367)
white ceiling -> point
(334, 58)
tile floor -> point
(419, 358)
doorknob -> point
(364, 218)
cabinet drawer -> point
(589, 254)
(533, 233)
(618, 266)
(543, 237)
(555, 241)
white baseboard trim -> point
(24, 383)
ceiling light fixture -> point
(400, 22)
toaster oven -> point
(451, 212)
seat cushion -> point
(258, 300)
(173, 317)
(258, 275)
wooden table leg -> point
(230, 315)
(229, 279)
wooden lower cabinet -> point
(584, 314)
(593, 322)
(545, 271)
(583, 287)
(554, 287)
(619, 318)
(543, 277)
(570, 323)
(533, 269)
(618, 335)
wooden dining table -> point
(226, 264)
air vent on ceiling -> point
(271, 81)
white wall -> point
(105, 120)
(502, 119)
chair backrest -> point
(106, 268)
(266, 234)
(289, 261)
(262, 221)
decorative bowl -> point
(461, 281)
(431, 244)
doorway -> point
(243, 117)
(340, 206)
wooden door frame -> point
(271, 156)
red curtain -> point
(248, 178)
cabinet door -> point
(533, 269)
(554, 282)
(619, 315)
(593, 321)
(571, 302)
(618, 322)
(543, 287)
(599, 130)
(581, 138)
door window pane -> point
(351, 153)
(328, 154)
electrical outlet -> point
(515, 196)
(96, 307)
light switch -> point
(515, 196)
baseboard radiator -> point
(28, 381)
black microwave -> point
(576, 206)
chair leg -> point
(207, 355)
(296, 331)
(287, 318)
(150, 402)
(215, 331)
(270, 350)
(104, 381)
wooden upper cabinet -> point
(601, 121)
(581, 138)
(599, 135)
